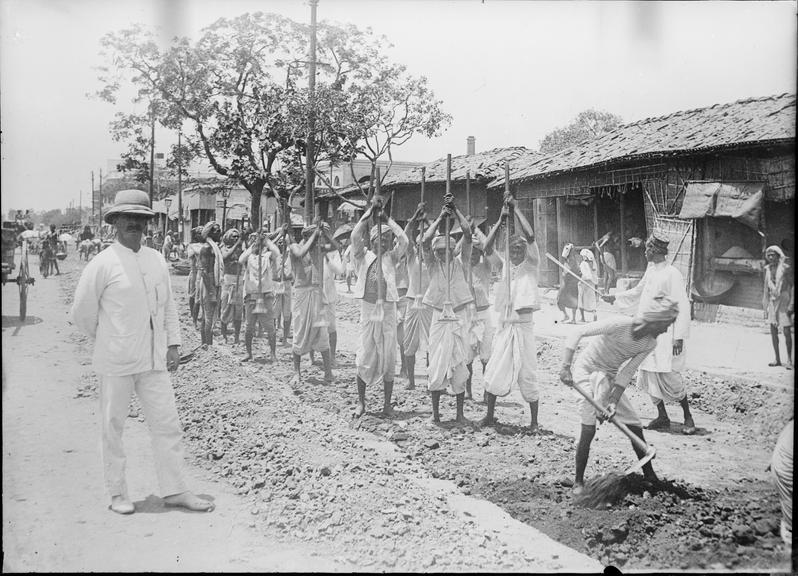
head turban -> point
(566, 250)
(775, 250)
(308, 230)
(658, 243)
(587, 254)
(228, 236)
(207, 229)
(659, 309)
(375, 231)
(439, 242)
(517, 240)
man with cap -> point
(660, 373)
(124, 301)
(513, 361)
(257, 262)
(310, 332)
(192, 253)
(605, 368)
(448, 293)
(232, 291)
(481, 327)
(376, 352)
(283, 281)
(210, 275)
(417, 316)
(332, 267)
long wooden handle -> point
(567, 271)
(620, 425)
(420, 245)
(507, 240)
(380, 295)
(448, 226)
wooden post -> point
(622, 240)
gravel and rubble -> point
(314, 473)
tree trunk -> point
(255, 192)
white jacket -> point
(124, 302)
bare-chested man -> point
(232, 292)
(211, 272)
(307, 296)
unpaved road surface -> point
(295, 473)
(296, 488)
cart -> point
(11, 239)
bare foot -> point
(247, 358)
(410, 386)
(388, 411)
(360, 410)
(122, 505)
(486, 421)
(189, 501)
(689, 426)
(462, 421)
(578, 488)
(434, 421)
(329, 378)
(295, 383)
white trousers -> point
(157, 398)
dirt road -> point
(296, 487)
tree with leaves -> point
(588, 125)
(241, 88)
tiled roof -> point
(744, 122)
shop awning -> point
(742, 201)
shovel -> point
(639, 444)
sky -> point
(508, 72)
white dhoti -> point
(157, 398)
(376, 352)
(513, 363)
(306, 311)
(597, 386)
(416, 328)
(448, 353)
(480, 335)
(660, 373)
(781, 464)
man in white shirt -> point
(124, 302)
(660, 372)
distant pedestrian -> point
(568, 293)
(778, 301)
(124, 302)
(587, 271)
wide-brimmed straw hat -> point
(129, 202)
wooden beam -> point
(624, 255)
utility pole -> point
(101, 203)
(309, 148)
(180, 186)
(152, 150)
(80, 208)
(92, 199)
